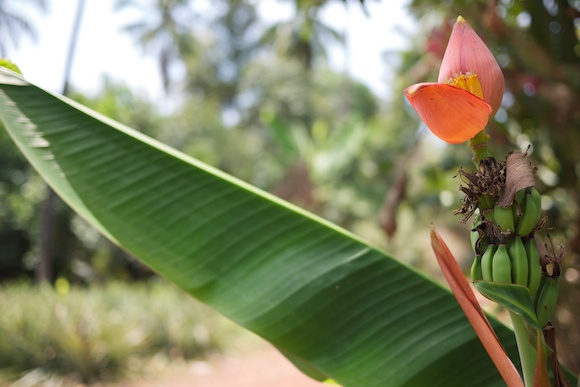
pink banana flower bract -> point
(468, 92)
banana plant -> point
(507, 267)
(336, 306)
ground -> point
(259, 367)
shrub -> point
(101, 332)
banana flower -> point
(468, 92)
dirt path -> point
(261, 367)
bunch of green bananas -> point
(515, 260)
(504, 239)
(523, 215)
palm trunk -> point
(45, 269)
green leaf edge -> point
(514, 297)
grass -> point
(102, 333)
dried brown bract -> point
(519, 175)
(550, 259)
(482, 188)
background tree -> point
(304, 36)
(14, 25)
(163, 30)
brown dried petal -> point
(519, 175)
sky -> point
(103, 49)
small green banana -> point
(479, 239)
(476, 273)
(483, 243)
(486, 263)
(474, 237)
(519, 200)
(537, 197)
(504, 218)
(534, 267)
(501, 265)
(547, 300)
(485, 205)
(531, 212)
(519, 259)
(518, 204)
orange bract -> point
(469, 89)
(453, 114)
(466, 299)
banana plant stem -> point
(526, 350)
(480, 148)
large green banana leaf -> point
(334, 305)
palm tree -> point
(163, 30)
(304, 36)
(14, 25)
(215, 71)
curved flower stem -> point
(526, 350)
(479, 146)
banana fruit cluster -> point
(506, 252)
(517, 261)
(512, 261)
(521, 217)
(505, 236)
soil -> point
(260, 367)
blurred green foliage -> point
(104, 332)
